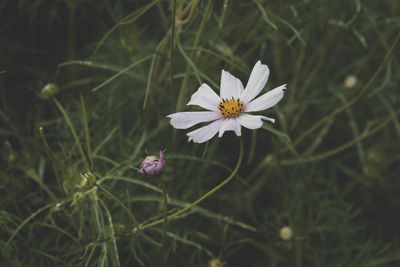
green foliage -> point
(85, 89)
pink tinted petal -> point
(205, 133)
(152, 166)
(230, 124)
(252, 121)
(205, 97)
(161, 161)
(184, 120)
(230, 85)
(258, 79)
(267, 100)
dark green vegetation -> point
(329, 167)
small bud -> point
(286, 233)
(215, 263)
(49, 90)
(57, 207)
(12, 157)
(87, 180)
(152, 165)
(350, 81)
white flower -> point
(228, 112)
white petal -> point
(205, 133)
(267, 100)
(205, 97)
(268, 119)
(230, 124)
(258, 79)
(230, 86)
(184, 120)
(252, 121)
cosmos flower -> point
(152, 165)
(229, 111)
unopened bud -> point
(286, 233)
(215, 263)
(12, 157)
(152, 165)
(58, 206)
(87, 180)
(49, 90)
(350, 81)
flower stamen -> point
(230, 108)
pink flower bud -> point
(152, 165)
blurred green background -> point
(85, 88)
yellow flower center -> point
(230, 108)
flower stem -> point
(196, 42)
(164, 234)
(119, 202)
(209, 193)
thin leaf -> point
(276, 132)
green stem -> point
(298, 253)
(119, 202)
(346, 145)
(87, 134)
(53, 160)
(164, 234)
(330, 116)
(73, 131)
(209, 193)
(172, 44)
(195, 43)
(351, 102)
